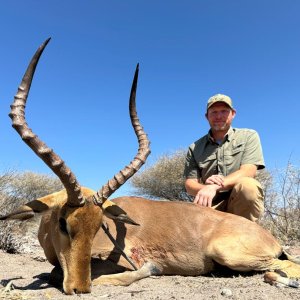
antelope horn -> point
(52, 160)
(144, 150)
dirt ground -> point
(24, 276)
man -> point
(221, 166)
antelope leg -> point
(128, 277)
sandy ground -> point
(25, 277)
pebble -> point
(226, 292)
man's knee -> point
(249, 188)
(246, 199)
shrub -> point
(16, 189)
(282, 204)
(164, 179)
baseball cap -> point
(219, 98)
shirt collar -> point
(228, 136)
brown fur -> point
(173, 238)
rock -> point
(226, 292)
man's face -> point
(220, 116)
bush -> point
(282, 205)
(16, 189)
(164, 179)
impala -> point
(131, 238)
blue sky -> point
(187, 50)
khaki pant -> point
(245, 199)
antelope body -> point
(157, 237)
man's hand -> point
(215, 179)
(205, 196)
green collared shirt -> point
(205, 157)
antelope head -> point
(75, 214)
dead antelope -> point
(172, 237)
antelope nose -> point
(83, 291)
(71, 289)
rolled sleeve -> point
(253, 153)
(191, 169)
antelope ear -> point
(26, 211)
(115, 212)
(39, 205)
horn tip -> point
(46, 41)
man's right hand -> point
(215, 179)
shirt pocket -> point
(233, 156)
(207, 166)
(206, 161)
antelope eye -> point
(63, 225)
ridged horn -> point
(144, 150)
(52, 160)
